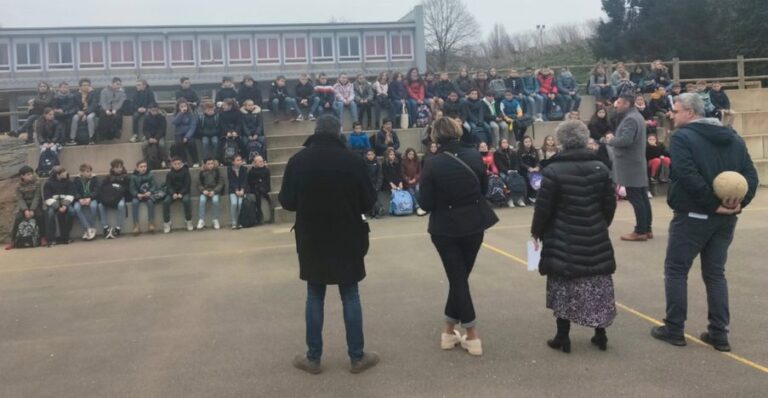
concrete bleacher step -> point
(99, 156)
(749, 100)
(751, 122)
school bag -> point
(48, 159)
(27, 235)
(250, 213)
(516, 184)
(81, 135)
(154, 159)
(556, 114)
(401, 203)
(111, 193)
(496, 194)
(253, 149)
(231, 149)
(535, 179)
(423, 116)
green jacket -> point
(28, 195)
(137, 180)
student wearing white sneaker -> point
(452, 188)
(178, 184)
(86, 188)
(210, 186)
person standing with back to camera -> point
(453, 186)
(703, 224)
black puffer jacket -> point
(574, 208)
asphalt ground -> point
(220, 314)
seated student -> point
(650, 122)
(186, 125)
(598, 124)
(48, 130)
(112, 193)
(87, 106)
(475, 117)
(209, 130)
(432, 150)
(487, 156)
(453, 107)
(415, 89)
(548, 150)
(375, 176)
(573, 115)
(496, 84)
(508, 166)
(492, 120)
(363, 99)
(637, 76)
(86, 206)
(656, 155)
(481, 82)
(381, 96)
(531, 91)
(28, 205)
(514, 83)
(210, 184)
(568, 90)
(249, 90)
(237, 187)
(391, 171)
(186, 92)
(326, 97)
(37, 104)
(141, 100)
(463, 82)
(345, 98)
(283, 105)
(178, 183)
(659, 105)
(253, 128)
(547, 83)
(429, 88)
(358, 141)
(142, 188)
(552, 109)
(58, 197)
(443, 88)
(411, 169)
(259, 181)
(230, 118)
(398, 97)
(675, 90)
(386, 138)
(111, 100)
(306, 100)
(227, 91)
(703, 93)
(155, 127)
(599, 86)
(65, 107)
(721, 102)
(529, 163)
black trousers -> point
(638, 197)
(365, 109)
(458, 256)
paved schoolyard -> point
(220, 314)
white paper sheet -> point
(534, 256)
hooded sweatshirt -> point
(252, 93)
(111, 99)
(58, 192)
(154, 126)
(546, 83)
(700, 150)
(251, 121)
(210, 180)
(188, 94)
(530, 85)
(67, 103)
(186, 123)
(142, 99)
(40, 102)
(178, 181)
(28, 195)
(566, 83)
(141, 183)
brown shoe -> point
(369, 360)
(151, 228)
(649, 235)
(634, 237)
(311, 367)
(136, 230)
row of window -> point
(116, 52)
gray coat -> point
(111, 100)
(629, 151)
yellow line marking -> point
(645, 317)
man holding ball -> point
(705, 215)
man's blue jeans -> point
(338, 108)
(353, 320)
(690, 237)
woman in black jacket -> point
(574, 208)
(452, 188)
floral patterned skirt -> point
(587, 301)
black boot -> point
(600, 339)
(561, 340)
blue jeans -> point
(119, 215)
(414, 191)
(338, 108)
(210, 147)
(288, 105)
(314, 103)
(538, 103)
(353, 320)
(690, 237)
(138, 118)
(136, 208)
(235, 203)
(87, 221)
(570, 102)
(214, 206)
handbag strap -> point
(466, 166)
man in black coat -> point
(701, 149)
(328, 188)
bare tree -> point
(449, 25)
(499, 44)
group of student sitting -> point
(44, 215)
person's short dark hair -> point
(25, 170)
(356, 124)
(473, 90)
(47, 110)
(238, 156)
(490, 93)
(228, 101)
(321, 74)
(85, 166)
(327, 124)
(153, 105)
(83, 80)
(508, 92)
(248, 77)
(140, 162)
(117, 80)
(208, 159)
(175, 158)
(183, 79)
(453, 92)
(629, 97)
(226, 79)
(63, 84)
(385, 121)
(209, 105)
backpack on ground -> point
(401, 203)
(231, 149)
(516, 184)
(48, 159)
(423, 115)
(496, 191)
(153, 157)
(82, 137)
(27, 235)
(250, 213)
(253, 149)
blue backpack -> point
(48, 159)
(401, 203)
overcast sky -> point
(516, 15)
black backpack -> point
(231, 149)
(81, 135)
(111, 193)
(154, 159)
(250, 213)
(48, 159)
(255, 148)
(27, 235)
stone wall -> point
(12, 157)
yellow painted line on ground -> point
(645, 317)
